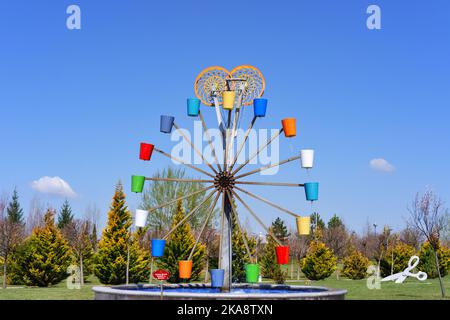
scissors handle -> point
(422, 276)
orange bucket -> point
(185, 269)
(289, 127)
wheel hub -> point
(224, 181)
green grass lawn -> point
(357, 289)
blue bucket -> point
(260, 107)
(217, 276)
(166, 124)
(158, 246)
(312, 191)
(193, 107)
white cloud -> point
(53, 185)
(381, 164)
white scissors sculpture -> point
(401, 276)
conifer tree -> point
(15, 212)
(110, 261)
(239, 253)
(94, 239)
(65, 216)
(269, 258)
(319, 262)
(44, 258)
(179, 246)
(269, 266)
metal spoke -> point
(179, 180)
(182, 162)
(233, 207)
(247, 133)
(189, 214)
(269, 232)
(267, 202)
(276, 184)
(261, 149)
(267, 167)
(194, 147)
(180, 198)
(204, 226)
(205, 129)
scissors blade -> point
(401, 279)
(392, 277)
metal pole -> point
(179, 180)
(226, 253)
(209, 141)
(247, 133)
(276, 184)
(189, 214)
(238, 223)
(180, 198)
(194, 147)
(267, 167)
(261, 149)
(204, 226)
(267, 201)
(182, 162)
(257, 218)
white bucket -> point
(141, 218)
(307, 158)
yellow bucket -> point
(303, 225)
(228, 99)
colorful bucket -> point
(307, 158)
(185, 269)
(312, 191)
(289, 127)
(137, 183)
(228, 99)
(282, 254)
(193, 107)
(252, 273)
(158, 246)
(260, 107)
(140, 219)
(217, 277)
(303, 225)
(166, 124)
(146, 151)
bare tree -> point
(35, 216)
(78, 235)
(92, 215)
(428, 215)
(299, 246)
(411, 237)
(11, 234)
(209, 239)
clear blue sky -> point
(76, 104)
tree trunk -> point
(439, 273)
(206, 268)
(392, 262)
(298, 271)
(81, 270)
(151, 271)
(128, 265)
(5, 268)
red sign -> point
(161, 275)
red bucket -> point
(146, 151)
(282, 255)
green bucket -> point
(137, 183)
(252, 273)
